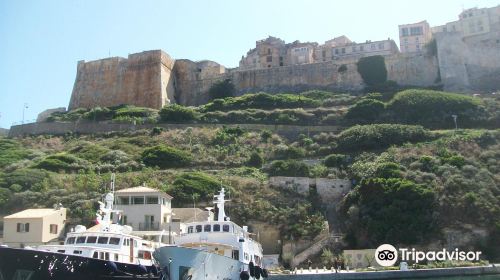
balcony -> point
(153, 226)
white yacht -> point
(104, 250)
(215, 249)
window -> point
(343, 50)
(124, 220)
(102, 240)
(354, 49)
(225, 228)
(70, 240)
(336, 51)
(236, 254)
(61, 251)
(404, 31)
(151, 200)
(114, 241)
(53, 229)
(126, 242)
(95, 255)
(198, 228)
(123, 200)
(372, 46)
(138, 200)
(77, 252)
(269, 58)
(361, 48)
(217, 227)
(207, 228)
(417, 30)
(116, 257)
(190, 229)
(80, 239)
(381, 46)
(92, 239)
(23, 227)
(268, 51)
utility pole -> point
(455, 121)
(25, 106)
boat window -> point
(225, 228)
(198, 228)
(95, 256)
(80, 239)
(123, 200)
(216, 227)
(190, 229)
(61, 251)
(78, 252)
(106, 256)
(207, 228)
(236, 254)
(135, 243)
(102, 240)
(70, 240)
(91, 239)
(126, 242)
(114, 241)
(116, 257)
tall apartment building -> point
(414, 36)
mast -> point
(219, 201)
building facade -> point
(33, 227)
(472, 22)
(413, 37)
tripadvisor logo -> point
(387, 255)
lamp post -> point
(25, 106)
(455, 121)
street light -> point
(25, 106)
(455, 121)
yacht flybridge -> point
(215, 249)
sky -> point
(41, 41)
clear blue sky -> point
(41, 41)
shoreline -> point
(396, 274)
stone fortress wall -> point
(466, 62)
(143, 79)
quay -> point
(391, 274)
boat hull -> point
(194, 264)
(29, 264)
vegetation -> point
(222, 89)
(165, 157)
(379, 136)
(177, 113)
(372, 70)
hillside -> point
(415, 180)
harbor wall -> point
(395, 274)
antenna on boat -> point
(112, 183)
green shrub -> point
(435, 108)
(336, 160)
(62, 162)
(378, 136)
(261, 101)
(5, 195)
(27, 178)
(134, 112)
(222, 89)
(255, 160)
(366, 110)
(203, 186)
(455, 160)
(291, 168)
(177, 113)
(11, 151)
(89, 151)
(99, 114)
(289, 152)
(372, 69)
(165, 157)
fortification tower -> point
(143, 79)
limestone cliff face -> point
(144, 79)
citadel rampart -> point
(143, 80)
(153, 79)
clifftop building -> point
(274, 52)
(474, 21)
(413, 37)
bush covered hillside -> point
(416, 180)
